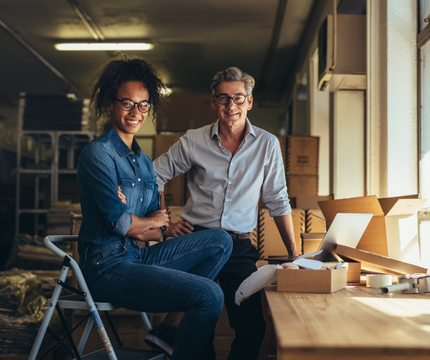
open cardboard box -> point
(311, 281)
(393, 230)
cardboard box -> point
(315, 222)
(174, 189)
(353, 269)
(378, 263)
(270, 241)
(302, 185)
(311, 281)
(302, 155)
(311, 241)
(186, 111)
(130, 329)
(283, 144)
(393, 230)
(306, 202)
(222, 345)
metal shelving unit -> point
(58, 141)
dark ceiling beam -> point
(270, 57)
(87, 20)
(42, 59)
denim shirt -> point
(105, 163)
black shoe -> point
(162, 338)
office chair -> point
(82, 299)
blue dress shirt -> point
(225, 189)
(105, 163)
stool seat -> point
(76, 301)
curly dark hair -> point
(119, 71)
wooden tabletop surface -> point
(354, 323)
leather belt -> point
(235, 236)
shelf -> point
(33, 211)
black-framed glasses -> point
(237, 99)
(128, 105)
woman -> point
(172, 276)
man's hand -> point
(177, 229)
(160, 218)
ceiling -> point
(193, 39)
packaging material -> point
(22, 307)
(311, 281)
(302, 155)
(174, 213)
(178, 115)
(393, 230)
(353, 269)
(311, 241)
(270, 241)
(302, 185)
(378, 263)
(29, 253)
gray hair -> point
(233, 74)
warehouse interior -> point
(348, 78)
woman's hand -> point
(121, 195)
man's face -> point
(231, 114)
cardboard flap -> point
(365, 204)
(378, 263)
(398, 206)
(310, 201)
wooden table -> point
(354, 323)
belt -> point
(233, 235)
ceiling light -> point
(166, 91)
(101, 46)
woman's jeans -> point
(175, 275)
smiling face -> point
(127, 123)
(232, 115)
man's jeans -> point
(175, 275)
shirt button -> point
(134, 160)
(141, 199)
(230, 183)
(132, 184)
(227, 200)
(138, 179)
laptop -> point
(346, 229)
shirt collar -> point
(249, 129)
(119, 145)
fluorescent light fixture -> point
(101, 46)
(166, 91)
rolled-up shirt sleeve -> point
(98, 178)
(274, 189)
(172, 163)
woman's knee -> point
(224, 239)
(214, 297)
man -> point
(230, 163)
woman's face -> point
(127, 123)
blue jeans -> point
(175, 275)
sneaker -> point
(162, 338)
